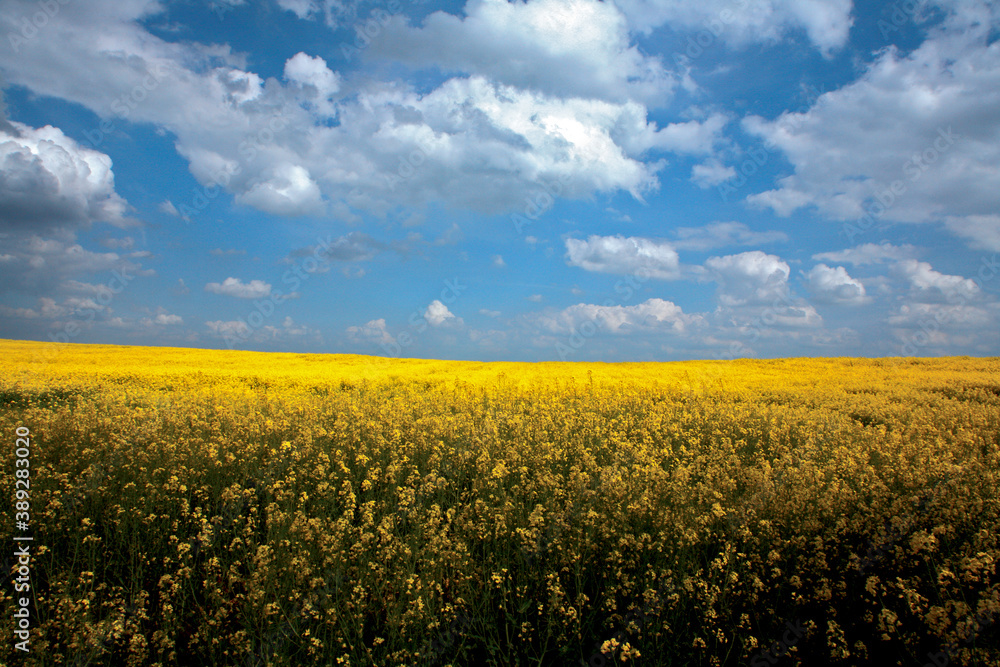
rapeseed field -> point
(194, 507)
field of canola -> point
(194, 507)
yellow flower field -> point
(194, 507)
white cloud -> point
(470, 143)
(161, 319)
(983, 231)
(230, 329)
(301, 8)
(826, 22)
(351, 247)
(933, 316)
(37, 265)
(570, 48)
(491, 339)
(834, 285)
(289, 190)
(940, 328)
(372, 332)
(929, 286)
(18, 313)
(48, 180)
(711, 173)
(749, 278)
(86, 289)
(238, 333)
(653, 315)
(124, 243)
(168, 319)
(498, 261)
(617, 254)
(916, 138)
(451, 236)
(438, 314)
(478, 145)
(48, 309)
(334, 12)
(869, 253)
(313, 73)
(693, 137)
(255, 289)
(167, 206)
(721, 235)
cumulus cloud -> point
(48, 180)
(167, 206)
(472, 142)
(238, 332)
(693, 137)
(167, 319)
(982, 231)
(438, 314)
(38, 266)
(49, 309)
(711, 173)
(932, 317)
(372, 332)
(234, 287)
(826, 22)
(869, 253)
(334, 12)
(229, 252)
(721, 235)
(351, 247)
(834, 285)
(928, 285)
(749, 278)
(319, 80)
(914, 139)
(301, 8)
(86, 289)
(228, 328)
(287, 190)
(653, 315)
(944, 328)
(570, 48)
(618, 254)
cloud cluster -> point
(721, 235)
(373, 331)
(915, 139)
(834, 285)
(437, 314)
(49, 181)
(749, 278)
(740, 22)
(624, 256)
(569, 48)
(573, 110)
(255, 289)
(653, 315)
(869, 253)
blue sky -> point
(542, 180)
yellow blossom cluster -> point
(196, 507)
